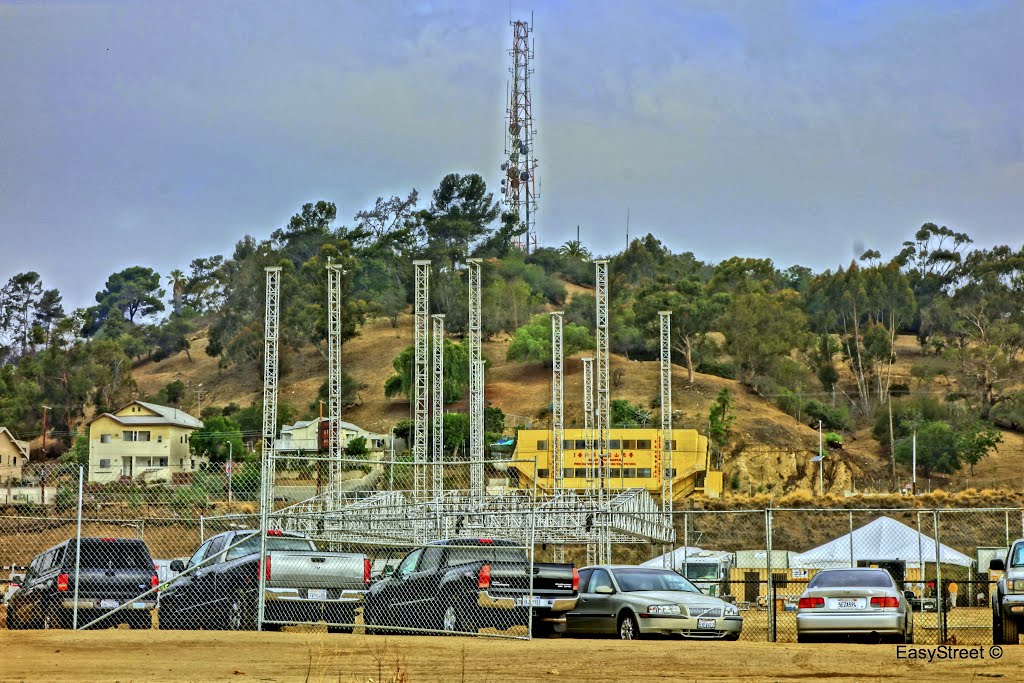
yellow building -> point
(635, 461)
(13, 455)
(142, 441)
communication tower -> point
(519, 184)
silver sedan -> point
(860, 602)
(632, 602)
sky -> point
(151, 133)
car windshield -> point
(1018, 556)
(851, 578)
(700, 570)
(631, 580)
(252, 545)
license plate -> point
(524, 601)
(109, 604)
(317, 593)
(846, 603)
(706, 623)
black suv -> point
(112, 572)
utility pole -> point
(913, 463)
(45, 408)
(821, 458)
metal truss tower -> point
(519, 182)
(557, 387)
(420, 383)
(437, 468)
(667, 469)
(334, 289)
(476, 382)
(271, 328)
(588, 418)
(603, 406)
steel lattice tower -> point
(588, 418)
(271, 328)
(420, 382)
(557, 386)
(476, 382)
(603, 406)
(334, 289)
(519, 181)
(437, 467)
(667, 471)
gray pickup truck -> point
(217, 589)
(1008, 598)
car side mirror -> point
(387, 572)
(177, 566)
(604, 590)
(909, 595)
(996, 565)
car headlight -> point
(1015, 586)
(663, 609)
(732, 610)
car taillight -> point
(483, 579)
(575, 579)
(366, 571)
(275, 532)
(154, 581)
(885, 602)
(62, 582)
(807, 603)
(265, 566)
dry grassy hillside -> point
(770, 450)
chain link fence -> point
(390, 549)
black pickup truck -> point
(112, 572)
(218, 586)
(464, 585)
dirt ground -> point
(124, 656)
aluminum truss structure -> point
(588, 418)
(476, 381)
(557, 387)
(603, 407)
(437, 353)
(271, 329)
(334, 291)
(420, 384)
(667, 470)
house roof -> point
(883, 539)
(20, 445)
(164, 416)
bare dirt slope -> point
(161, 656)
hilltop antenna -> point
(627, 226)
(519, 183)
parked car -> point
(112, 572)
(464, 585)
(218, 589)
(862, 602)
(1008, 598)
(633, 602)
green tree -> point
(357, 448)
(720, 419)
(532, 342)
(460, 213)
(175, 392)
(212, 439)
(78, 454)
(761, 328)
(574, 249)
(456, 372)
(129, 293)
(25, 305)
(177, 282)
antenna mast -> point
(519, 185)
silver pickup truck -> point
(218, 589)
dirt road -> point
(158, 656)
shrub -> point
(837, 419)
(718, 368)
(833, 440)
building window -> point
(567, 473)
(104, 438)
(567, 443)
(629, 445)
(643, 473)
(163, 462)
(160, 438)
(542, 445)
(615, 473)
(643, 445)
(181, 462)
(14, 460)
(104, 463)
(581, 444)
(182, 439)
(780, 580)
(629, 472)
(192, 464)
(581, 472)
(543, 473)
(614, 444)
(135, 436)
(673, 444)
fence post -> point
(202, 529)
(768, 566)
(78, 546)
(938, 581)
(852, 563)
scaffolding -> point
(334, 341)
(437, 466)
(420, 384)
(665, 397)
(588, 419)
(557, 385)
(476, 380)
(271, 329)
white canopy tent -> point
(883, 539)
(683, 555)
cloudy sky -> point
(151, 133)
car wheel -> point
(241, 615)
(1011, 631)
(629, 629)
(56, 617)
(804, 638)
(142, 621)
(545, 629)
(997, 628)
(12, 619)
(731, 636)
(455, 621)
(166, 620)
